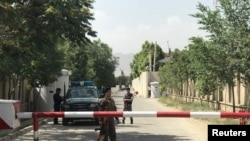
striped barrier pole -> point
(136, 114)
(36, 115)
(242, 121)
(35, 126)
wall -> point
(37, 99)
(17, 90)
(221, 99)
(142, 83)
(44, 96)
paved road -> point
(144, 128)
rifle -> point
(104, 128)
(103, 134)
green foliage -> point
(123, 80)
(168, 75)
(32, 31)
(175, 71)
(101, 64)
(141, 61)
(208, 61)
(220, 60)
(228, 25)
(195, 106)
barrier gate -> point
(10, 115)
(37, 115)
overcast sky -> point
(126, 24)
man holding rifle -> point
(107, 129)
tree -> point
(141, 60)
(101, 64)
(208, 61)
(168, 73)
(122, 79)
(32, 30)
(229, 30)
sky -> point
(126, 24)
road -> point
(144, 128)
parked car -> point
(80, 98)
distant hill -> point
(124, 63)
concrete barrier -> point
(8, 114)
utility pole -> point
(168, 47)
(154, 56)
(215, 3)
(150, 62)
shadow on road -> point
(82, 130)
(126, 136)
(82, 123)
(136, 136)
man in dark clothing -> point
(128, 100)
(57, 102)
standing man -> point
(57, 102)
(128, 100)
(108, 123)
(102, 96)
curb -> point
(22, 131)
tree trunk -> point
(238, 87)
(181, 87)
(232, 89)
(9, 91)
(4, 88)
(201, 99)
(194, 92)
(186, 89)
(208, 99)
(247, 98)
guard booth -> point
(155, 90)
(8, 114)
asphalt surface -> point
(143, 129)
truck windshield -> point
(82, 93)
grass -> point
(196, 106)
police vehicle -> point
(80, 97)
